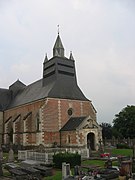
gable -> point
(89, 123)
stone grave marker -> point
(11, 155)
(65, 170)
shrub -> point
(122, 146)
(72, 158)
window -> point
(68, 139)
(70, 111)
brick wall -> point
(18, 123)
(53, 116)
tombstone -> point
(41, 148)
(11, 155)
(108, 163)
(89, 148)
(65, 170)
(85, 178)
(46, 157)
(126, 168)
(1, 171)
(76, 171)
(1, 154)
(133, 160)
(129, 142)
(100, 146)
(68, 169)
(113, 141)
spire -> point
(46, 58)
(71, 56)
(58, 49)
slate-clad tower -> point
(52, 110)
(59, 73)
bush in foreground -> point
(72, 158)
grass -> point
(94, 162)
(57, 175)
(123, 152)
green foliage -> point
(73, 159)
(124, 123)
(122, 146)
(57, 175)
(123, 152)
(106, 130)
(94, 162)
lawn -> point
(123, 152)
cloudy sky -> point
(100, 33)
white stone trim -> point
(59, 114)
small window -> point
(68, 139)
(37, 123)
(70, 111)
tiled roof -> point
(72, 123)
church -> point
(51, 111)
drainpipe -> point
(3, 129)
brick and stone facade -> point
(38, 113)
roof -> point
(58, 43)
(58, 49)
(55, 89)
(5, 98)
(73, 123)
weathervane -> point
(58, 28)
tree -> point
(106, 130)
(124, 122)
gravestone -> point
(108, 164)
(133, 160)
(46, 158)
(101, 148)
(76, 170)
(11, 155)
(89, 149)
(41, 148)
(65, 170)
(1, 154)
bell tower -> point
(59, 74)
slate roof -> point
(72, 123)
(5, 98)
(36, 91)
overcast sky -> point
(100, 33)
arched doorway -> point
(91, 141)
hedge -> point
(122, 146)
(72, 158)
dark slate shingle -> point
(72, 123)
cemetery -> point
(41, 164)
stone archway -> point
(91, 141)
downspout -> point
(3, 129)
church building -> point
(51, 111)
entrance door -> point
(91, 141)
